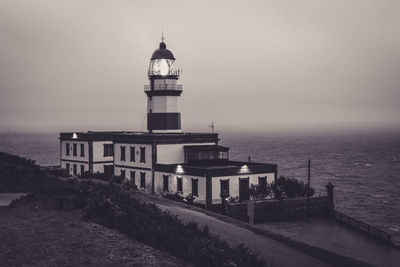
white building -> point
(164, 159)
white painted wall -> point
(186, 184)
(71, 167)
(99, 167)
(163, 104)
(173, 153)
(127, 162)
(78, 150)
(98, 151)
(234, 183)
(117, 171)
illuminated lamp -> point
(179, 169)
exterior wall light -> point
(179, 169)
(244, 169)
(74, 136)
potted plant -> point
(190, 198)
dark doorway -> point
(109, 169)
(243, 189)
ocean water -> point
(364, 167)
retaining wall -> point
(270, 210)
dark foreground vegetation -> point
(290, 188)
(109, 205)
(19, 174)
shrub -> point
(19, 174)
(58, 172)
(97, 175)
(174, 196)
(290, 187)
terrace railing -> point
(366, 228)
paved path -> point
(274, 251)
(338, 238)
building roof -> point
(206, 147)
(162, 52)
(141, 137)
(222, 168)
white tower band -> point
(163, 114)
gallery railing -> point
(163, 87)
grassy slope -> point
(109, 206)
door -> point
(243, 189)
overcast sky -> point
(268, 65)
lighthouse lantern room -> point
(163, 114)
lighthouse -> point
(163, 159)
(163, 114)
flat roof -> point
(206, 147)
(218, 168)
(140, 137)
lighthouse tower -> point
(163, 92)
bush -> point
(58, 172)
(174, 196)
(97, 175)
(291, 187)
(19, 174)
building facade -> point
(164, 159)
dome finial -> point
(162, 37)
(162, 44)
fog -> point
(261, 65)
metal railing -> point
(173, 72)
(163, 87)
(366, 228)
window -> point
(142, 179)
(74, 166)
(179, 186)
(122, 153)
(225, 186)
(67, 149)
(82, 169)
(195, 187)
(67, 167)
(223, 155)
(143, 154)
(132, 157)
(74, 150)
(262, 184)
(108, 150)
(123, 173)
(165, 183)
(82, 150)
(133, 177)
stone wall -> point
(270, 210)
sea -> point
(364, 167)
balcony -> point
(177, 87)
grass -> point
(110, 206)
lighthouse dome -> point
(162, 53)
(162, 63)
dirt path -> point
(35, 236)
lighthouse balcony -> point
(177, 87)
